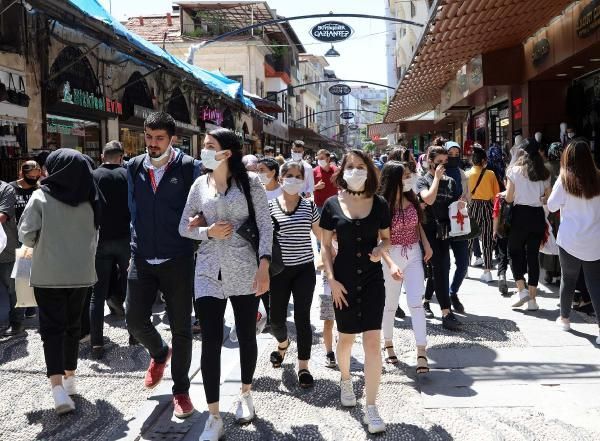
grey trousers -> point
(571, 266)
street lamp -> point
(332, 52)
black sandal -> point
(422, 369)
(305, 379)
(276, 358)
(392, 359)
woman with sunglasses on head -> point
(361, 220)
(404, 261)
(226, 265)
(294, 217)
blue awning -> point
(217, 83)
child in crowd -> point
(328, 317)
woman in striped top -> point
(295, 217)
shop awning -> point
(457, 31)
(309, 136)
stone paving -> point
(509, 375)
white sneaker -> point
(69, 385)
(373, 421)
(486, 277)
(213, 429)
(532, 305)
(478, 261)
(245, 409)
(62, 402)
(564, 325)
(347, 396)
(523, 298)
(598, 340)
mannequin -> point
(563, 134)
(513, 152)
(538, 137)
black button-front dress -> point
(353, 268)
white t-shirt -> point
(579, 231)
(527, 192)
(272, 194)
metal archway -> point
(333, 80)
(338, 110)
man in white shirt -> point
(298, 155)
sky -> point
(362, 56)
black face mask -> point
(453, 162)
(30, 181)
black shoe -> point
(451, 322)
(400, 313)
(132, 340)
(586, 309)
(456, 305)
(14, 329)
(330, 360)
(30, 312)
(503, 286)
(548, 278)
(97, 352)
(428, 312)
(115, 307)
(196, 329)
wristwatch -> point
(265, 256)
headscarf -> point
(70, 180)
(555, 151)
(454, 172)
(496, 161)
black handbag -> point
(504, 220)
(12, 94)
(249, 231)
(22, 97)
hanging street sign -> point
(353, 127)
(340, 89)
(331, 31)
(347, 115)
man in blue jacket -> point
(158, 184)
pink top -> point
(405, 227)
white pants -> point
(414, 284)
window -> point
(11, 27)
(413, 9)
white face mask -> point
(292, 185)
(322, 163)
(208, 159)
(264, 178)
(570, 135)
(409, 183)
(161, 157)
(296, 156)
(355, 179)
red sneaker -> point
(155, 372)
(182, 406)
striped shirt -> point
(294, 231)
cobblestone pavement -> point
(509, 375)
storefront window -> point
(78, 134)
(132, 141)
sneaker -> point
(456, 305)
(84, 338)
(182, 406)
(478, 261)
(532, 305)
(62, 402)
(97, 352)
(486, 277)
(330, 360)
(70, 385)
(523, 298)
(14, 329)
(565, 325)
(451, 322)
(155, 372)
(428, 312)
(373, 421)
(400, 313)
(347, 396)
(213, 429)
(245, 409)
(503, 286)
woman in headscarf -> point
(60, 223)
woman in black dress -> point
(361, 220)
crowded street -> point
(274, 220)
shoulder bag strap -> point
(479, 181)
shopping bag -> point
(2, 239)
(21, 273)
(549, 245)
(460, 222)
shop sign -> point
(185, 126)
(331, 31)
(66, 128)
(143, 112)
(517, 108)
(589, 19)
(347, 115)
(88, 100)
(340, 89)
(208, 114)
(480, 122)
(540, 50)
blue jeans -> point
(110, 253)
(175, 279)
(460, 248)
(15, 315)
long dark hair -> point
(403, 154)
(534, 166)
(578, 172)
(228, 140)
(391, 189)
(372, 179)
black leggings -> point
(298, 281)
(440, 263)
(526, 235)
(212, 317)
